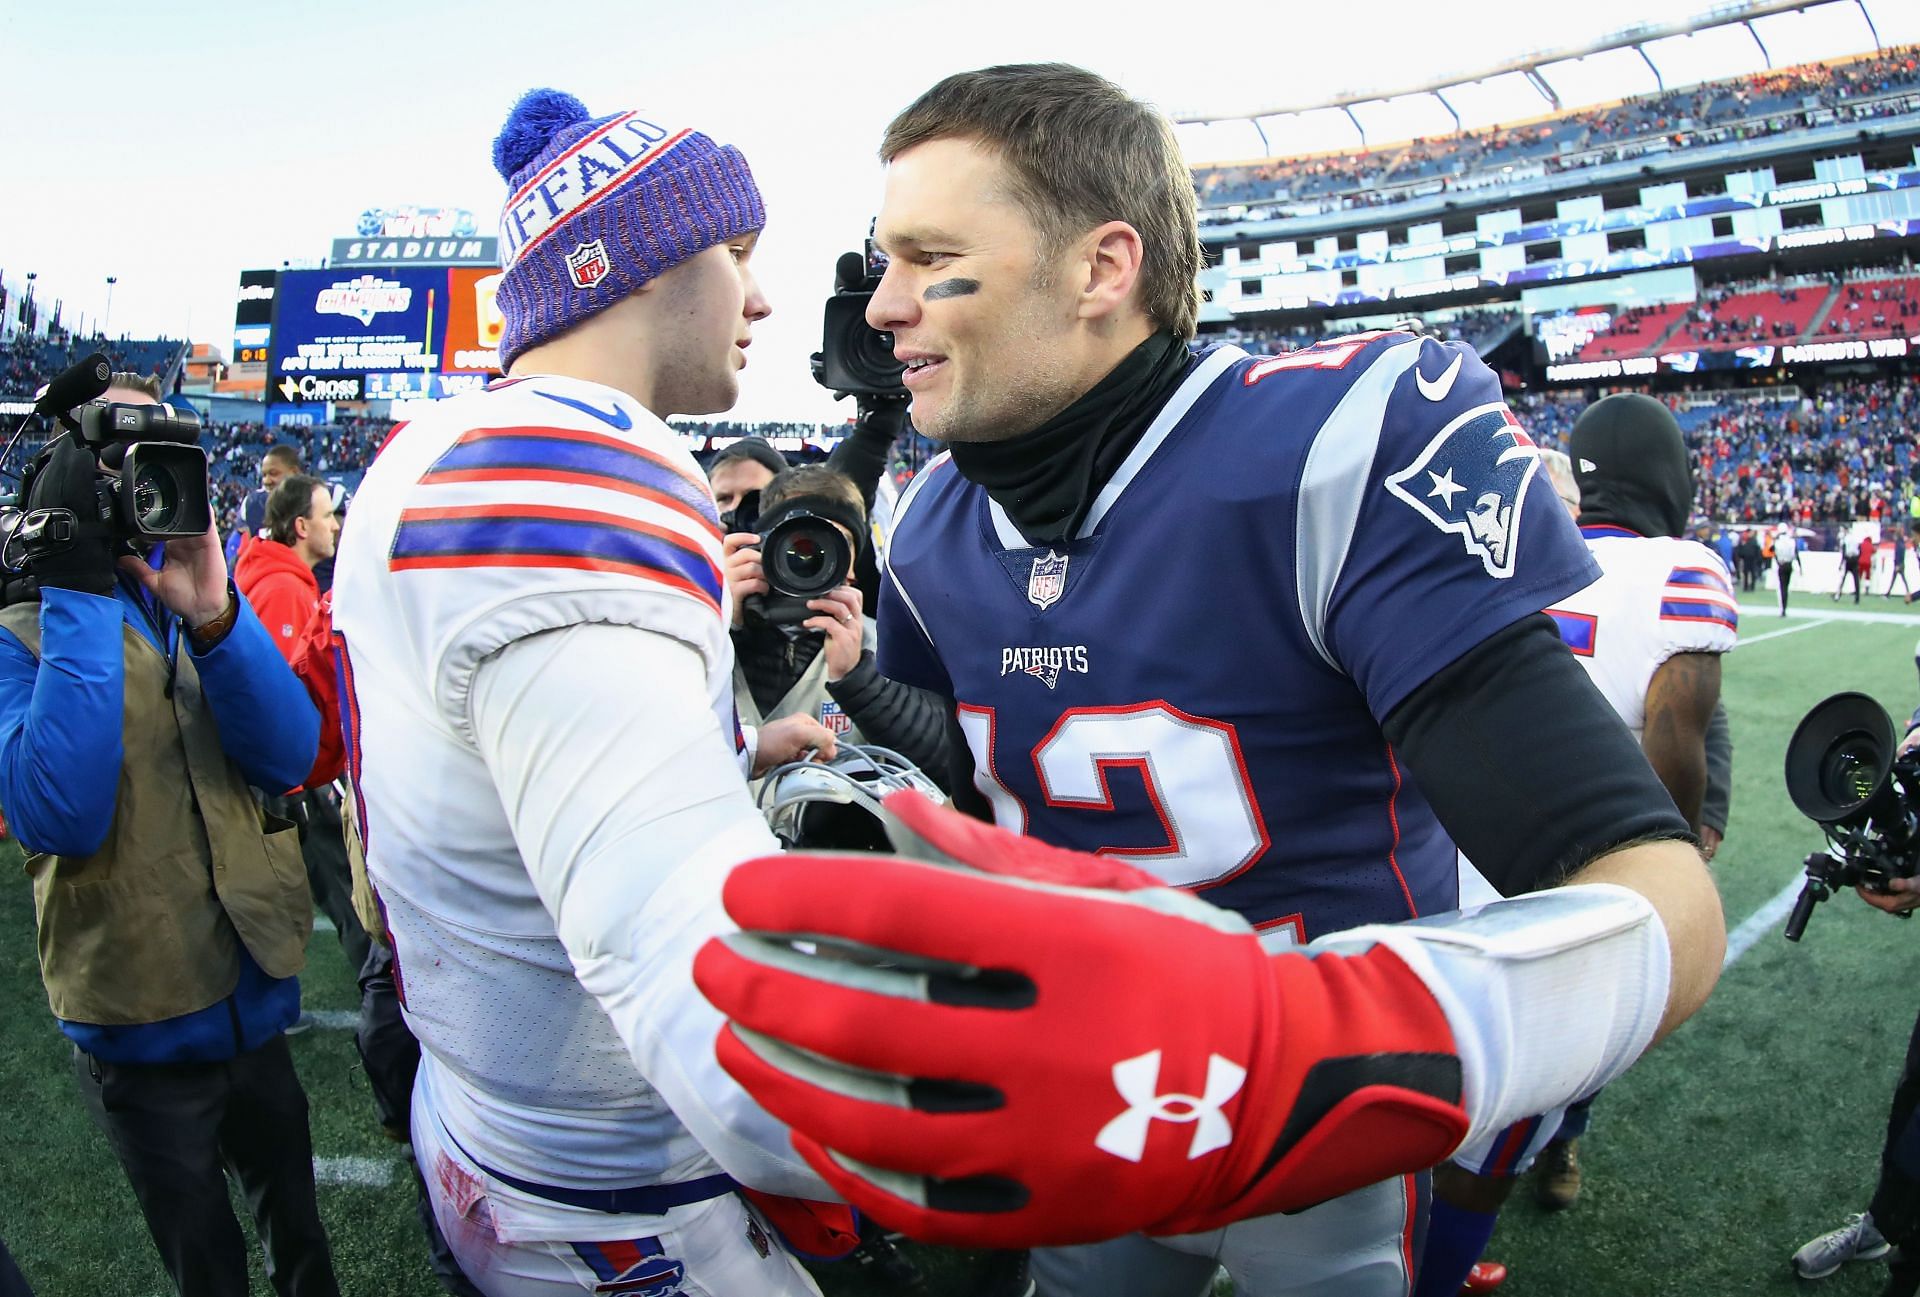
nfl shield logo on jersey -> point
(1048, 580)
(1471, 480)
(587, 263)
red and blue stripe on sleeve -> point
(1699, 594)
(574, 457)
(530, 535)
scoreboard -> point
(384, 320)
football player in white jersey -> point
(536, 695)
(1650, 633)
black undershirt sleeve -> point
(1530, 771)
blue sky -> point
(174, 145)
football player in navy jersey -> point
(1262, 707)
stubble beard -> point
(1015, 407)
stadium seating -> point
(1733, 108)
(1880, 308)
(1737, 319)
(1635, 332)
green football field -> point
(1755, 1127)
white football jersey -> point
(547, 505)
(1656, 596)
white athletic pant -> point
(716, 1248)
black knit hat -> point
(1632, 465)
(757, 449)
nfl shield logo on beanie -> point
(587, 264)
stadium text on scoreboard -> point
(1761, 356)
(419, 252)
(1586, 370)
(1847, 349)
(416, 236)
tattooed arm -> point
(1680, 703)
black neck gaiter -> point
(1047, 479)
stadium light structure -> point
(1536, 72)
(106, 324)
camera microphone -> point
(76, 386)
(850, 272)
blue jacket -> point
(60, 754)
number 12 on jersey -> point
(1192, 770)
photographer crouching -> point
(139, 697)
(802, 642)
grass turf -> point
(1754, 1128)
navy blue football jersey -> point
(1196, 682)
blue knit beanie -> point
(600, 205)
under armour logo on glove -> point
(1138, 1080)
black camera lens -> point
(1838, 760)
(162, 491)
(806, 556)
(1850, 772)
(855, 357)
(156, 499)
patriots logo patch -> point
(1471, 480)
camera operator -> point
(135, 709)
(822, 666)
(1892, 1218)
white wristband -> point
(1550, 995)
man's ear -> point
(1110, 264)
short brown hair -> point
(127, 381)
(290, 501)
(1082, 152)
(283, 454)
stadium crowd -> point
(1836, 455)
(1714, 112)
(29, 360)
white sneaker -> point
(1857, 1240)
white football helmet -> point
(835, 805)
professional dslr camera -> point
(1843, 774)
(802, 554)
(855, 359)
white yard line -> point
(334, 1019)
(1776, 634)
(365, 1172)
(1768, 917)
(321, 923)
(1761, 922)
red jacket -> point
(313, 662)
(281, 588)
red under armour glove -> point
(983, 1050)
